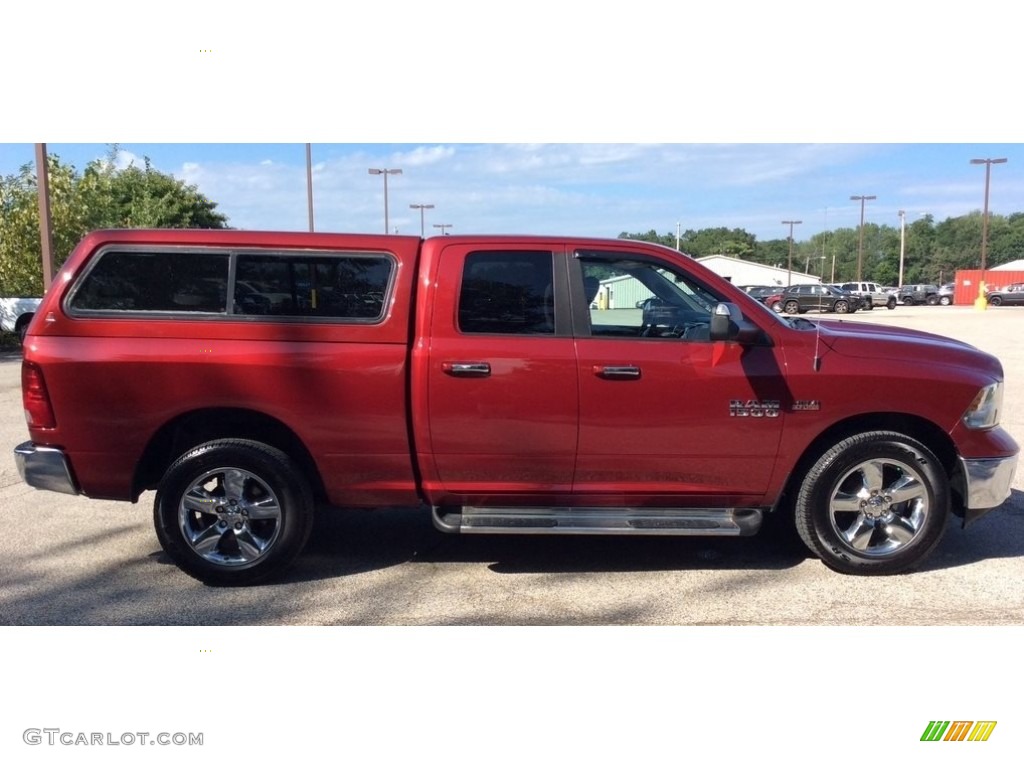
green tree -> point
(100, 197)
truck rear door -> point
(502, 391)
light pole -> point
(422, 208)
(309, 183)
(791, 223)
(981, 302)
(903, 244)
(385, 172)
(677, 235)
(860, 243)
(443, 228)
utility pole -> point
(45, 220)
(791, 223)
(982, 301)
(903, 243)
(860, 243)
(309, 183)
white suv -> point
(872, 293)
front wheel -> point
(995, 301)
(841, 307)
(233, 512)
(875, 503)
(891, 303)
(791, 307)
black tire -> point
(995, 301)
(858, 528)
(932, 300)
(791, 307)
(233, 512)
(21, 327)
(777, 307)
(891, 303)
(841, 307)
(945, 301)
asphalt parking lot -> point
(74, 561)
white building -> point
(1010, 266)
(741, 272)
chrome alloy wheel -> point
(879, 507)
(229, 517)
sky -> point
(591, 189)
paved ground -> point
(72, 561)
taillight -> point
(38, 411)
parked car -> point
(825, 298)
(1011, 295)
(874, 295)
(946, 294)
(16, 314)
(769, 295)
(466, 376)
(919, 293)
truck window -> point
(507, 292)
(645, 299)
(349, 287)
(159, 281)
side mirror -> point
(728, 324)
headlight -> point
(983, 412)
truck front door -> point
(667, 417)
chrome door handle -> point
(617, 371)
(467, 370)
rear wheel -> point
(875, 503)
(233, 512)
(21, 327)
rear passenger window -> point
(138, 281)
(299, 285)
(351, 287)
(507, 292)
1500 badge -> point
(754, 408)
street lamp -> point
(860, 243)
(309, 183)
(903, 243)
(385, 172)
(443, 228)
(791, 223)
(988, 163)
(422, 208)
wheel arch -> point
(920, 429)
(188, 430)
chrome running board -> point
(598, 520)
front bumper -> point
(987, 484)
(45, 468)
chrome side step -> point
(598, 520)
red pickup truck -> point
(507, 384)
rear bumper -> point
(987, 484)
(45, 468)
